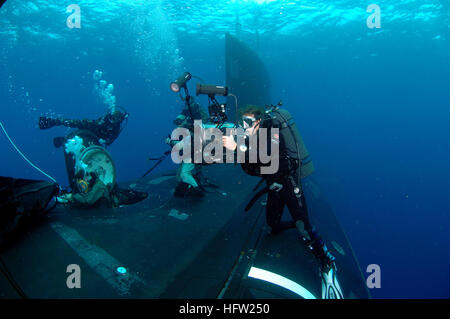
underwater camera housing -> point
(217, 114)
(218, 118)
(217, 111)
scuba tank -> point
(295, 148)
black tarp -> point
(21, 199)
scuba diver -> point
(90, 167)
(192, 113)
(189, 174)
(107, 128)
(284, 186)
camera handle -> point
(215, 105)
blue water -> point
(371, 104)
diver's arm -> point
(279, 164)
(253, 155)
(48, 122)
(229, 142)
(240, 148)
(81, 124)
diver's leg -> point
(298, 208)
(186, 174)
(180, 189)
(187, 184)
(274, 212)
(274, 209)
(299, 212)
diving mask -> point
(248, 121)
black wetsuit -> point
(107, 127)
(284, 189)
(286, 176)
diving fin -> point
(128, 196)
(183, 189)
(331, 288)
(180, 189)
